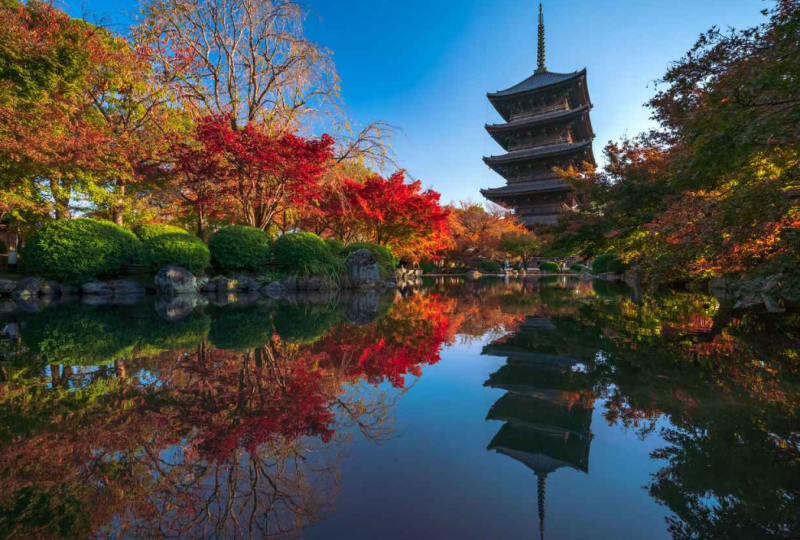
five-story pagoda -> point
(547, 125)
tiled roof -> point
(525, 188)
(539, 151)
(537, 81)
(538, 119)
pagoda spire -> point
(541, 480)
(540, 68)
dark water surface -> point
(474, 410)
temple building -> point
(547, 125)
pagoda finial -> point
(540, 68)
(541, 479)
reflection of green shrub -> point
(240, 329)
(146, 231)
(33, 512)
(548, 266)
(185, 334)
(303, 323)
(386, 259)
(79, 250)
(182, 249)
(617, 266)
(78, 335)
(304, 254)
(240, 248)
(490, 267)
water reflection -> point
(220, 419)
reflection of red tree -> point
(410, 336)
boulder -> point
(176, 308)
(473, 274)
(7, 305)
(225, 285)
(175, 280)
(28, 287)
(7, 286)
(69, 290)
(246, 283)
(772, 305)
(201, 283)
(97, 288)
(274, 290)
(206, 285)
(224, 298)
(126, 288)
(362, 269)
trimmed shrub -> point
(577, 268)
(304, 254)
(548, 266)
(427, 266)
(600, 264)
(490, 267)
(239, 247)
(386, 259)
(336, 246)
(182, 249)
(146, 231)
(79, 250)
(616, 266)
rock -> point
(290, 283)
(771, 283)
(246, 283)
(7, 286)
(69, 290)
(224, 298)
(49, 288)
(772, 305)
(274, 290)
(28, 287)
(97, 288)
(176, 308)
(96, 299)
(7, 306)
(473, 274)
(314, 283)
(175, 280)
(748, 300)
(224, 284)
(207, 285)
(29, 304)
(362, 269)
(126, 288)
(363, 308)
(201, 282)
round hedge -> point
(600, 264)
(240, 248)
(336, 246)
(181, 249)
(548, 266)
(79, 250)
(146, 231)
(490, 267)
(386, 259)
(304, 254)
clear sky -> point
(426, 65)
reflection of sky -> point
(439, 481)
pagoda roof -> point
(537, 152)
(538, 81)
(530, 121)
(526, 188)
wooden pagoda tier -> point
(547, 126)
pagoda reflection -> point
(547, 409)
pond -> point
(541, 408)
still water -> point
(554, 408)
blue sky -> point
(426, 65)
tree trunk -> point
(120, 206)
(61, 193)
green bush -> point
(181, 249)
(3, 247)
(79, 250)
(616, 266)
(146, 231)
(577, 268)
(490, 267)
(427, 267)
(548, 266)
(600, 264)
(386, 259)
(336, 247)
(240, 248)
(304, 254)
